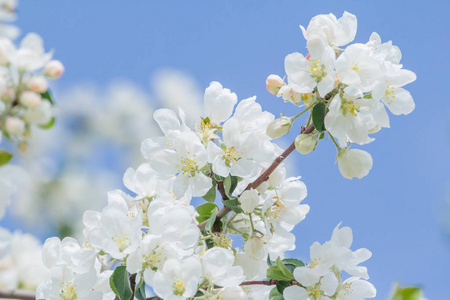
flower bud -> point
(289, 95)
(354, 163)
(254, 247)
(249, 200)
(15, 125)
(274, 84)
(30, 99)
(279, 127)
(305, 143)
(54, 69)
(8, 95)
(37, 84)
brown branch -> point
(18, 294)
(263, 177)
(133, 284)
(221, 189)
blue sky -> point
(394, 211)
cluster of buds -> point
(24, 94)
(346, 91)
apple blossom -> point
(354, 163)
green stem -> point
(251, 222)
(301, 113)
(334, 141)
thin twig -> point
(18, 294)
(263, 177)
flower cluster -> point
(233, 245)
(348, 89)
(322, 278)
(24, 96)
(166, 243)
(25, 99)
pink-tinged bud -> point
(8, 95)
(37, 84)
(53, 69)
(30, 99)
(274, 84)
(279, 127)
(15, 126)
(254, 247)
(308, 56)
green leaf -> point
(6, 134)
(227, 184)
(318, 115)
(205, 211)
(199, 293)
(270, 262)
(48, 96)
(49, 124)
(293, 261)
(274, 272)
(5, 157)
(211, 221)
(283, 269)
(230, 184)
(407, 293)
(234, 182)
(120, 283)
(140, 291)
(211, 194)
(281, 285)
(275, 294)
(234, 205)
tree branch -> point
(263, 177)
(18, 294)
(221, 189)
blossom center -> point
(188, 166)
(356, 68)
(231, 156)
(154, 260)
(122, 240)
(315, 293)
(178, 287)
(389, 95)
(316, 69)
(67, 291)
(223, 241)
(313, 263)
(349, 107)
(346, 289)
